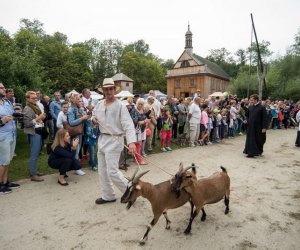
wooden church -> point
(192, 72)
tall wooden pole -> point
(261, 74)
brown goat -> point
(160, 196)
(203, 191)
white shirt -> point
(86, 101)
(60, 119)
(115, 119)
(156, 108)
(196, 113)
(234, 111)
(41, 106)
(298, 119)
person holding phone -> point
(33, 126)
(62, 156)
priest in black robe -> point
(257, 126)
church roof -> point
(121, 77)
(212, 68)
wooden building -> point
(123, 81)
(192, 72)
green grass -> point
(19, 166)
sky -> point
(162, 23)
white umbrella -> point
(124, 93)
(215, 94)
(95, 95)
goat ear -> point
(138, 187)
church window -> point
(185, 63)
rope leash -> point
(134, 155)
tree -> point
(139, 47)
(146, 72)
(167, 64)
(241, 54)
(222, 57)
(265, 52)
(243, 83)
(34, 26)
(6, 56)
(54, 55)
(219, 56)
(295, 48)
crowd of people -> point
(136, 124)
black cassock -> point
(257, 120)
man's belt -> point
(111, 134)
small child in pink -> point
(166, 131)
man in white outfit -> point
(194, 117)
(114, 121)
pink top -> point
(204, 118)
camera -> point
(17, 115)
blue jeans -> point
(92, 160)
(231, 132)
(35, 142)
(78, 146)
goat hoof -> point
(203, 218)
(168, 227)
(187, 232)
(226, 211)
(142, 243)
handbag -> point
(138, 133)
(42, 131)
(73, 130)
(166, 127)
(148, 131)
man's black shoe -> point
(100, 201)
(12, 185)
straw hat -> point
(107, 83)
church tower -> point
(189, 41)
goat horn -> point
(187, 168)
(136, 179)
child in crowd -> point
(223, 125)
(166, 131)
(216, 125)
(210, 126)
(275, 122)
(92, 133)
(231, 126)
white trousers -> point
(194, 132)
(109, 151)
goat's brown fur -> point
(206, 191)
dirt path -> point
(264, 205)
